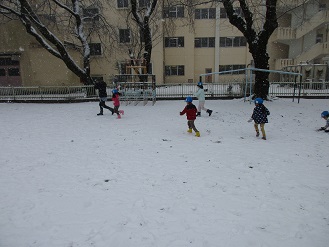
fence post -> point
(12, 88)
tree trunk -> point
(261, 61)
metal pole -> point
(245, 88)
(250, 85)
(295, 85)
(300, 87)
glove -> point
(250, 120)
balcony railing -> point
(281, 63)
(319, 49)
(322, 17)
(288, 33)
(285, 33)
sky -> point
(70, 178)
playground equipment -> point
(249, 76)
(136, 85)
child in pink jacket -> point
(116, 103)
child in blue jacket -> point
(325, 116)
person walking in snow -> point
(202, 100)
(259, 116)
(101, 87)
(325, 116)
(190, 111)
(116, 103)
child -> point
(325, 116)
(101, 87)
(259, 116)
(190, 111)
(202, 100)
(116, 103)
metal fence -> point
(167, 91)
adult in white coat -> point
(202, 100)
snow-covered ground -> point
(69, 178)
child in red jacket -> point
(190, 111)
(116, 103)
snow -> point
(73, 179)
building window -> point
(174, 70)
(223, 13)
(144, 3)
(97, 78)
(205, 13)
(91, 14)
(173, 12)
(8, 61)
(2, 72)
(122, 4)
(232, 41)
(124, 35)
(13, 71)
(204, 42)
(95, 49)
(174, 42)
(319, 38)
(233, 67)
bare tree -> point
(142, 16)
(30, 15)
(257, 34)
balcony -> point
(289, 4)
(281, 63)
(284, 34)
(319, 50)
(320, 18)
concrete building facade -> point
(199, 43)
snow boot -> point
(264, 137)
(119, 117)
(209, 112)
(197, 134)
(122, 112)
(257, 134)
(189, 130)
(198, 114)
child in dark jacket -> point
(259, 116)
(190, 111)
(101, 87)
(116, 103)
(325, 116)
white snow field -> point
(69, 178)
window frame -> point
(210, 42)
(174, 42)
(227, 67)
(205, 14)
(178, 69)
(125, 37)
(173, 12)
(223, 14)
(122, 4)
(93, 49)
(88, 16)
(232, 42)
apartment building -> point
(197, 43)
(301, 42)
